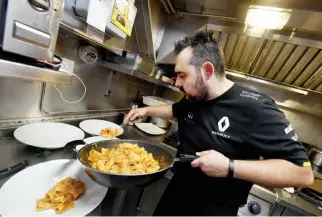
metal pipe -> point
(206, 15)
(269, 83)
(171, 7)
(165, 7)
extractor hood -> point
(291, 56)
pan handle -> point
(187, 158)
(14, 169)
(72, 145)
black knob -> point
(254, 207)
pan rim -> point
(126, 174)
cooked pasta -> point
(61, 197)
(125, 158)
(110, 132)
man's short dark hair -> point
(204, 48)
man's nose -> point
(178, 82)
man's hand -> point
(134, 114)
(212, 163)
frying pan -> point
(126, 181)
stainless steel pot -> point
(315, 157)
(160, 122)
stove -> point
(313, 197)
(172, 140)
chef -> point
(229, 127)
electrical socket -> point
(67, 66)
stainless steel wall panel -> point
(301, 65)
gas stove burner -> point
(311, 196)
(172, 140)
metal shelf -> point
(136, 73)
(26, 72)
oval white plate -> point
(94, 126)
(92, 139)
(150, 128)
(49, 135)
(19, 194)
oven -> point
(30, 27)
(260, 201)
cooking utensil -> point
(19, 194)
(14, 169)
(94, 127)
(160, 122)
(48, 135)
(125, 181)
(315, 157)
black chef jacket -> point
(241, 124)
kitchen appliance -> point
(261, 201)
(160, 122)
(315, 157)
(128, 181)
(156, 101)
(30, 28)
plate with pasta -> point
(52, 188)
(102, 128)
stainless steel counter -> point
(296, 203)
(13, 152)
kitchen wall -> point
(21, 99)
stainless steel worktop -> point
(296, 203)
(13, 152)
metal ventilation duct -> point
(282, 62)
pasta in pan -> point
(125, 158)
(61, 197)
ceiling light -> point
(267, 17)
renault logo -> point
(223, 124)
(190, 115)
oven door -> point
(30, 28)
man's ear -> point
(208, 69)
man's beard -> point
(201, 90)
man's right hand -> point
(134, 114)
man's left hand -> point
(212, 163)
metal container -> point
(315, 157)
(155, 101)
(160, 122)
(159, 74)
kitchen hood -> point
(289, 57)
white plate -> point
(49, 135)
(19, 194)
(94, 127)
(150, 128)
(92, 139)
